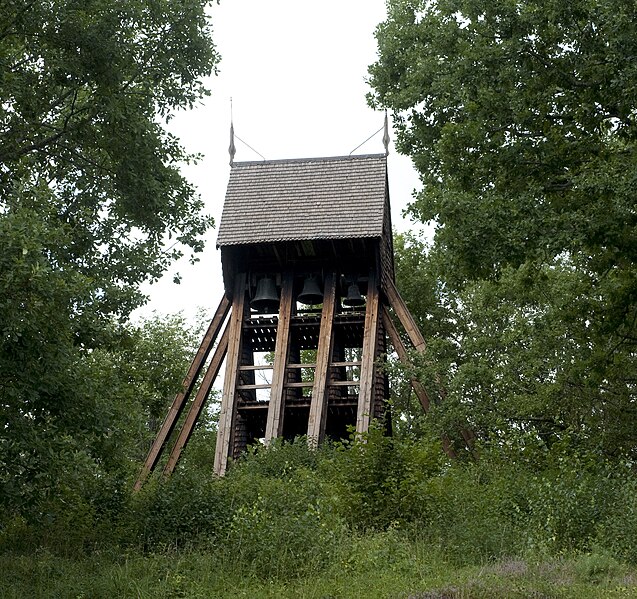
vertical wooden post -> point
(182, 397)
(197, 404)
(318, 406)
(228, 412)
(276, 407)
(370, 335)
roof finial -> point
(232, 150)
(386, 135)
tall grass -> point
(392, 512)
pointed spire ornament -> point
(232, 150)
(386, 136)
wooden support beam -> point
(182, 397)
(408, 322)
(274, 424)
(418, 387)
(253, 386)
(368, 359)
(396, 341)
(197, 404)
(404, 315)
(299, 385)
(228, 413)
(318, 406)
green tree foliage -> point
(520, 117)
(77, 463)
(90, 193)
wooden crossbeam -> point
(197, 404)
(253, 386)
(181, 398)
(318, 407)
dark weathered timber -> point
(318, 407)
(228, 412)
(182, 397)
(368, 359)
(197, 404)
(274, 425)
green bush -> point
(184, 510)
(282, 527)
(617, 531)
(286, 510)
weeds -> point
(388, 515)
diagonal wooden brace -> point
(197, 404)
(182, 397)
(417, 386)
(397, 303)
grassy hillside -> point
(385, 518)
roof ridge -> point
(313, 159)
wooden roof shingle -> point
(304, 199)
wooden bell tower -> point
(307, 257)
(317, 229)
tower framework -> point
(309, 309)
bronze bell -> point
(266, 299)
(353, 298)
(311, 294)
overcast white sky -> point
(296, 72)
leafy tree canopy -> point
(84, 86)
(90, 193)
(520, 116)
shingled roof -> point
(304, 199)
